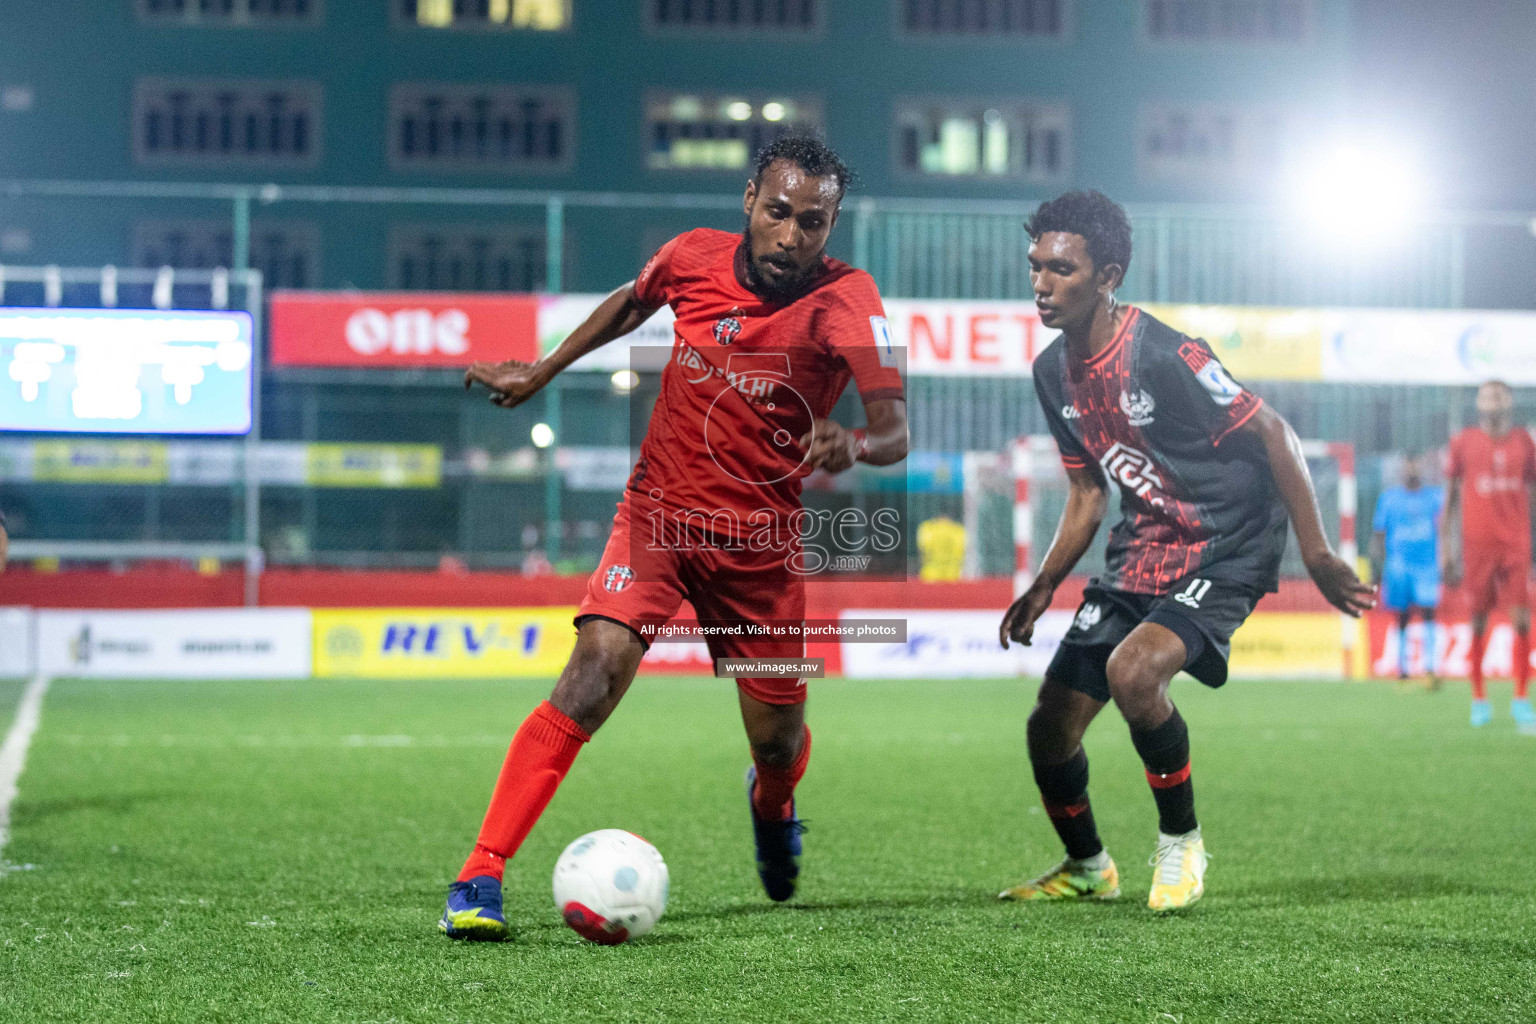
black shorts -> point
(1203, 612)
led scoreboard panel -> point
(125, 371)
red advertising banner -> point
(1453, 647)
(395, 329)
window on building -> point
(532, 15)
(233, 12)
(486, 128)
(466, 258)
(735, 15)
(1243, 21)
(233, 122)
(984, 17)
(719, 133)
(1024, 141)
(1212, 141)
(286, 252)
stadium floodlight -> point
(624, 381)
(774, 111)
(1358, 193)
(542, 435)
(738, 110)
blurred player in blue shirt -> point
(1405, 556)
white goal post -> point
(1032, 465)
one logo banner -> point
(401, 329)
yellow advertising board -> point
(1289, 644)
(101, 462)
(438, 643)
(373, 465)
(1254, 342)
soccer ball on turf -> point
(611, 885)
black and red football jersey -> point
(1160, 414)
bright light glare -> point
(1359, 193)
(625, 380)
(542, 435)
(773, 111)
(739, 110)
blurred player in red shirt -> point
(1490, 474)
(769, 331)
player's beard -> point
(791, 286)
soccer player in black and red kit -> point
(1208, 476)
(769, 331)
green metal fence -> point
(914, 248)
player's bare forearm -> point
(834, 447)
(1450, 536)
(886, 436)
(617, 315)
(514, 382)
(1087, 501)
(1288, 466)
(1334, 577)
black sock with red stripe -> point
(1064, 791)
(1165, 752)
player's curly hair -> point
(808, 153)
(1099, 219)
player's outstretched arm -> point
(834, 448)
(1334, 577)
(1450, 535)
(1087, 501)
(512, 383)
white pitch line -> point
(13, 752)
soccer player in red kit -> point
(1490, 474)
(769, 331)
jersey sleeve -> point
(1073, 454)
(1217, 403)
(858, 332)
(653, 287)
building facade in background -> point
(1150, 100)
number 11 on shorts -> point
(1192, 594)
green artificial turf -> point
(279, 852)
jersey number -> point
(1192, 594)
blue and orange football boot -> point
(474, 911)
(778, 848)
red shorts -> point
(1497, 578)
(640, 583)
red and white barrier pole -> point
(1349, 545)
(1023, 516)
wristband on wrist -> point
(860, 445)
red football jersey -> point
(746, 377)
(1495, 476)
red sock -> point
(1522, 665)
(775, 790)
(542, 752)
(1479, 645)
